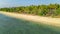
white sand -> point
(40, 19)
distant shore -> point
(44, 20)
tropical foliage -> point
(43, 10)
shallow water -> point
(9, 25)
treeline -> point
(43, 10)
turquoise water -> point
(9, 25)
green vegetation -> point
(9, 25)
(42, 10)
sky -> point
(13, 3)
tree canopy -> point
(42, 10)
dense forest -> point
(42, 10)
